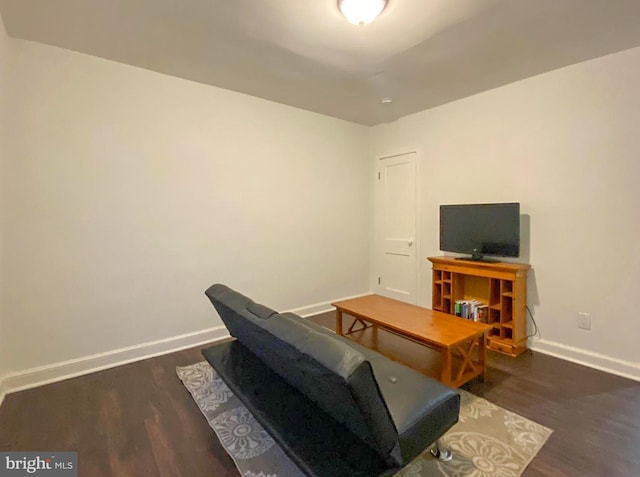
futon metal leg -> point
(440, 451)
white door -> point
(396, 227)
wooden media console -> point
(502, 286)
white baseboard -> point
(51, 373)
(31, 378)
(619, 367)
(42, 375)
(311, 310)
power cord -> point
(535, 325)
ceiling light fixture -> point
(361, 12)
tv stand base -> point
(500, 287)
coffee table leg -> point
(446, 367)
(482, 356)
(339, 321)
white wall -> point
(4, 63)
(128, 192)
(132, 192)
(565, 145)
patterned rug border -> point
(475, 454)
(192, 391)
(541, 444)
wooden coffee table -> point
(453, 337)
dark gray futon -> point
(336, 408)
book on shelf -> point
(473, 310)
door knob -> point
(410, 243)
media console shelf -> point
(501, 286)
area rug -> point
(488, 441)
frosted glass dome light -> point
(361, 12)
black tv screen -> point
(481, 229)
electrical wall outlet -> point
(584, 320)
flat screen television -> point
(481, 229)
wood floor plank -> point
(139, 420)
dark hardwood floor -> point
(134, 420)
(138, 419)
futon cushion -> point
(318, 444)
(336, 376)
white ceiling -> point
(422, 53)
